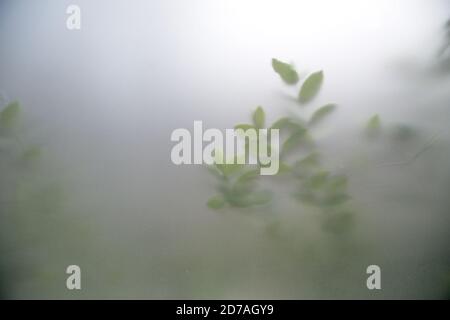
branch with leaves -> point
(238, 185)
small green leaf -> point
(286, 72)
(9, 115)
(321, 113)
(259, 118)
(287, 123)
(281, 123)
(216, 202)
(311, 87)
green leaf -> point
(287, 123)
(311, 87)
(286, 72)
(259, 118)
(9, 115)
(216, 202)
(281, 123)
(321, 113)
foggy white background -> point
(104, 100)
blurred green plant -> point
(239, 186)
(12, 145)
(237, 183)
(27, 200)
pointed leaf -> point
(286, 72)
(321, 113)
(259, 118)
(311, 87)
(288, 123)
(281, 123)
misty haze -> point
(360, 91)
